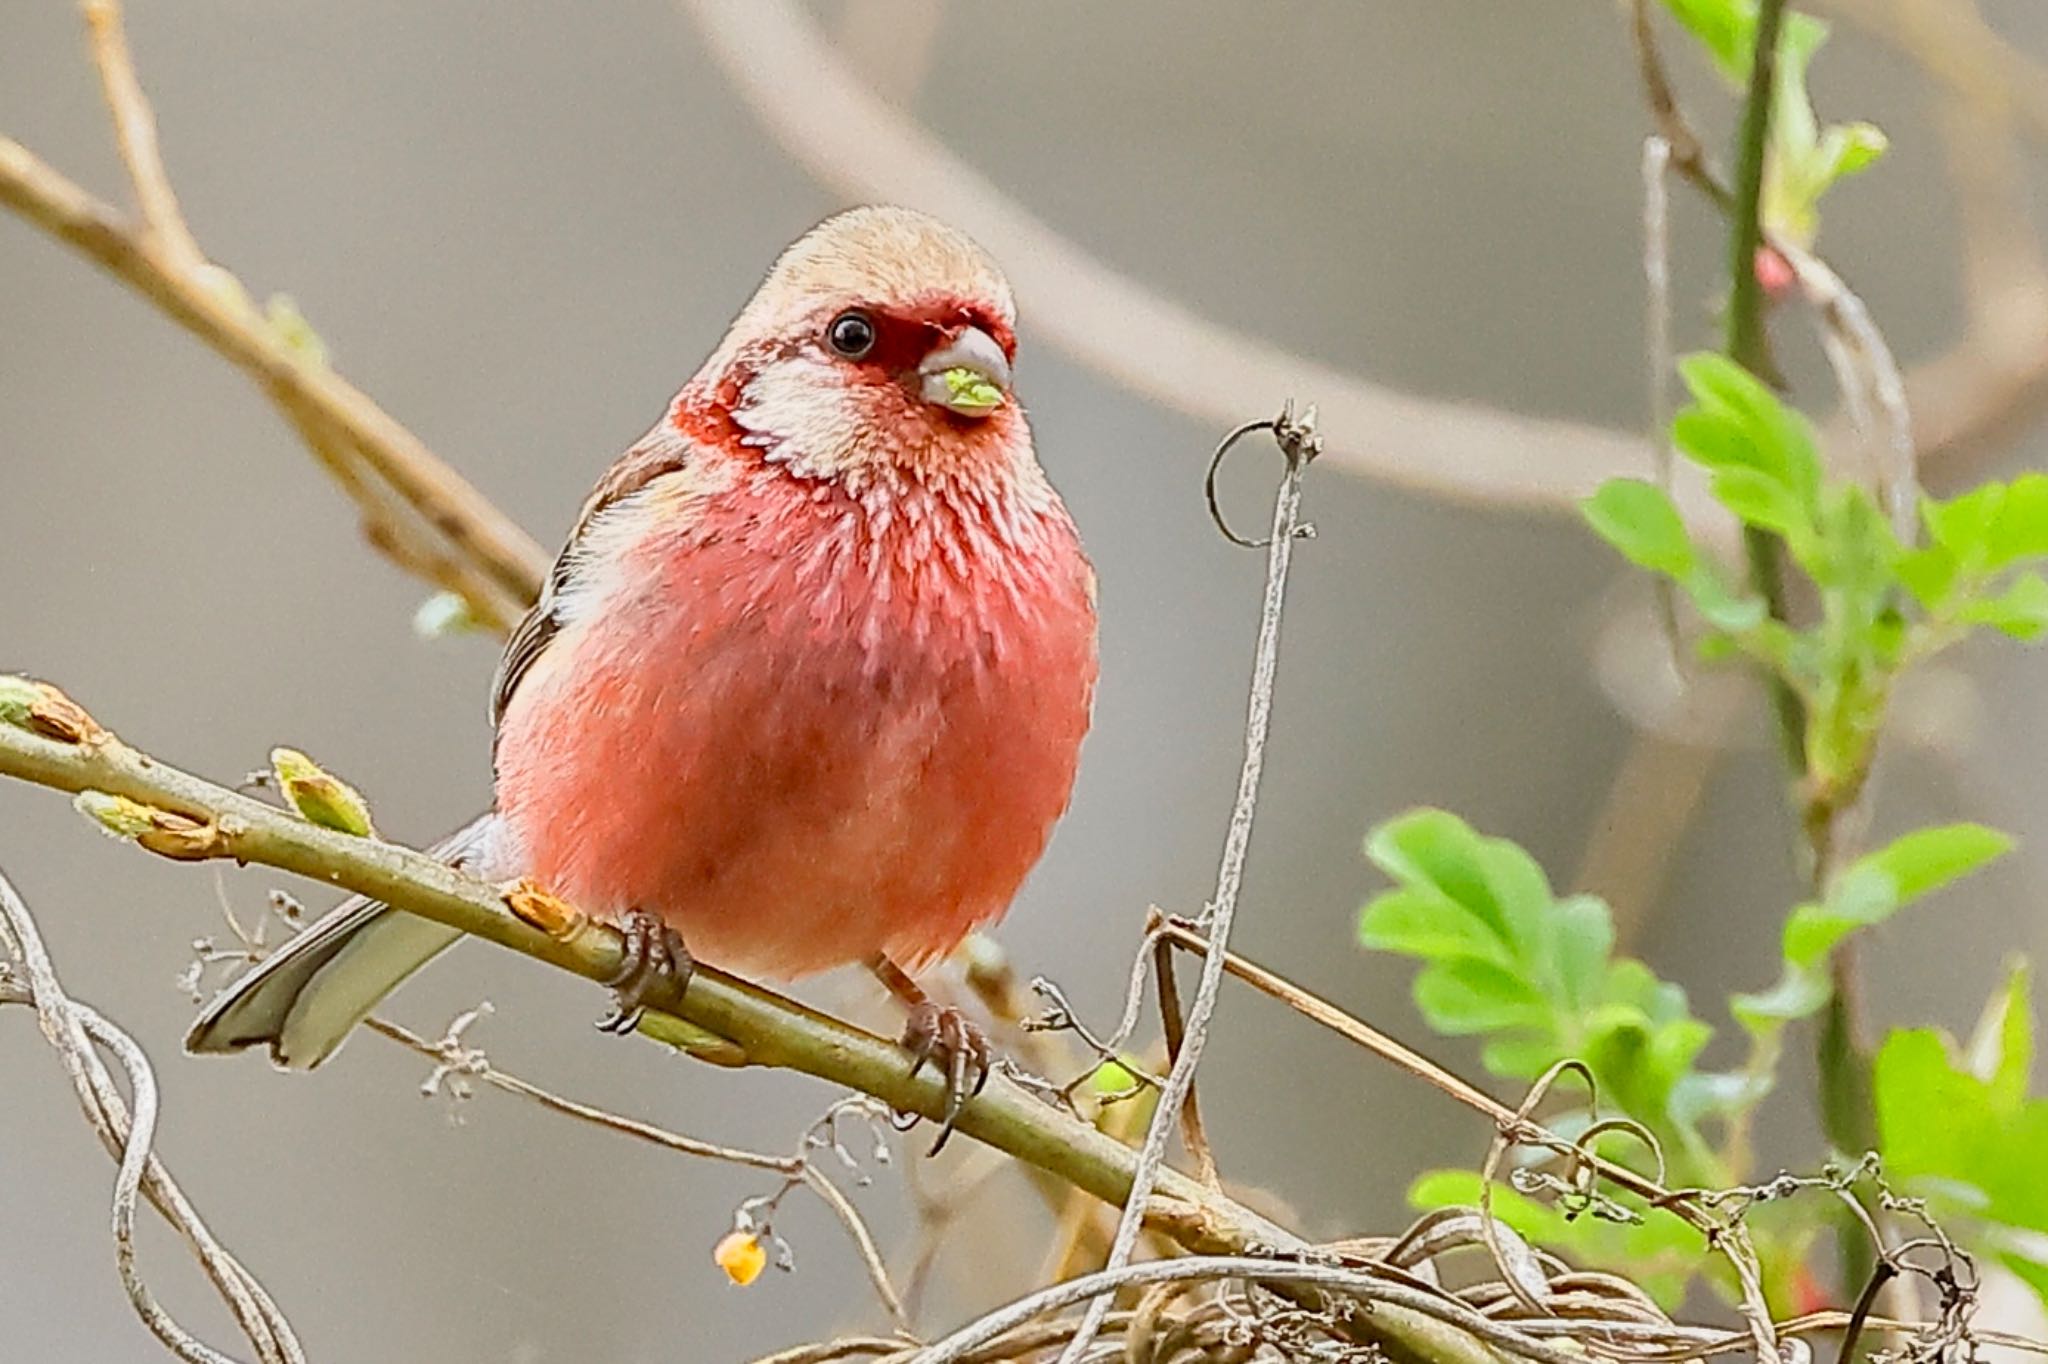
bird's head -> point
(881, 341)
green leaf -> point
(1466, 996)
(1519, 1055)
(1423, 923)
(1928, 859)
(1640, 520)
(1534, 975)
(1641, 1061)
(2019, 530)
(2020, 611)
(1962, 1133)
(1945, 1129)
(1848, 148)
(1798, 994)
(1582, 938)
(1726, 28)
(1777, 440)
(1962, 524)
(1759, 500)
(1929, 573)
(1701, 1094)
(1867, 892)
(1873, 888)
(1854, 552)
(2001, 1048)
(1436, 851)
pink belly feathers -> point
(804, 733)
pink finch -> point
(807, 686)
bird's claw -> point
(943, 1036)
(654, 955)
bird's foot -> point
(943, 1036)
(654, 957)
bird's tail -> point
(305, 999)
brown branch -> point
(1969, 402)
(1688, 154)
(415, 508)
(135, 136)
(1173, 1020)
(1325, 1014)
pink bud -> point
(1774, 272)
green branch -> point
(1748, 341)
(1748, 344)
(46, 739)
(1844, 1064)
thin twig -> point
(422, 512)
(1322, 1012)
(863, 1242)
(1868, 377)
(1173, 1022)
(475, 1064)
(1682, 146)
(135, 135)
(1299, 444)
(1748, 343)
(452, 1055)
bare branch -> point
(415, 508)
(448, 1051)
(135, 135)
(867, 149)
(1300, 444)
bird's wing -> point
(660, 452)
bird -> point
(808, 682)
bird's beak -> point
(970, 375)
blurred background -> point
(520, 226)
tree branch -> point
(135, 136)
(861, 146)
(53, 742)
(415, 508)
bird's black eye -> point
(852, 334)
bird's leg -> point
(941, 1035)
(654, 955)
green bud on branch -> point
(319, 796)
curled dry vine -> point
(83, 1037)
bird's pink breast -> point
(805, 730)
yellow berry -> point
(741, 1256)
